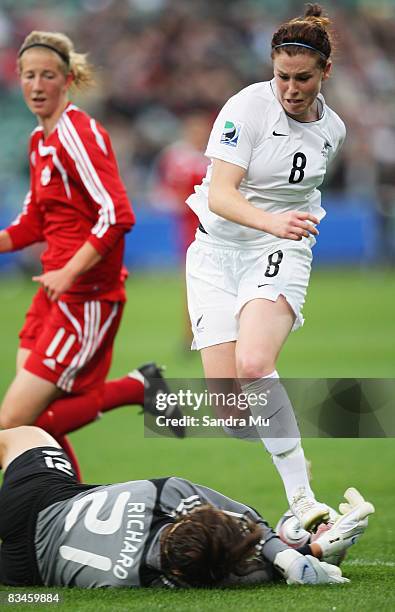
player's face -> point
(298, 80)
(44, 84)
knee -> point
(253, 367)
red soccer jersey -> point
(180, 168)
(76, 195)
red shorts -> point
(71, 343)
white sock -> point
(293, 470)
(287, 453)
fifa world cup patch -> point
(231, 132)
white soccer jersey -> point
(285, 160)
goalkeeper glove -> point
(348, 527)
(300, 569)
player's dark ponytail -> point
(311, 33)
(313, 10)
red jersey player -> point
(180, 167)
(78, 205)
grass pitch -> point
(349, 332)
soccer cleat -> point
(154, 383)
(308, 511)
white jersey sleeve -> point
(237, 129)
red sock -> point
(121, 392)
(68, 449)
(70, 412)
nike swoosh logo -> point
(277, 134)
(265, 285)
(305, 567)
(198, 321)
(273, 415)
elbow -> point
(124, 228)
(127, 224)
(220, 198)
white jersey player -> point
(258, 206)
(285, 161)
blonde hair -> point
(72, 62)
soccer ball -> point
(291, 533)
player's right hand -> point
(293, 225)
(55, 282)
(354, 500)
(348, 527)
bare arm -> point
(5, 242)
(226, 200)
(57, 282)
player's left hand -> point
(326, 573)
(349, 526)
(55, 282)
(299, 569)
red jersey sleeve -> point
(27, 228)
(91, 162)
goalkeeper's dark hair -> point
(204, 547)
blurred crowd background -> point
(165, 67)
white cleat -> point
(308, 510)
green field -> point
(349, 332)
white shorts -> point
(220, 281)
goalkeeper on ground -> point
(164, 532)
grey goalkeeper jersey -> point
(109, 535)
